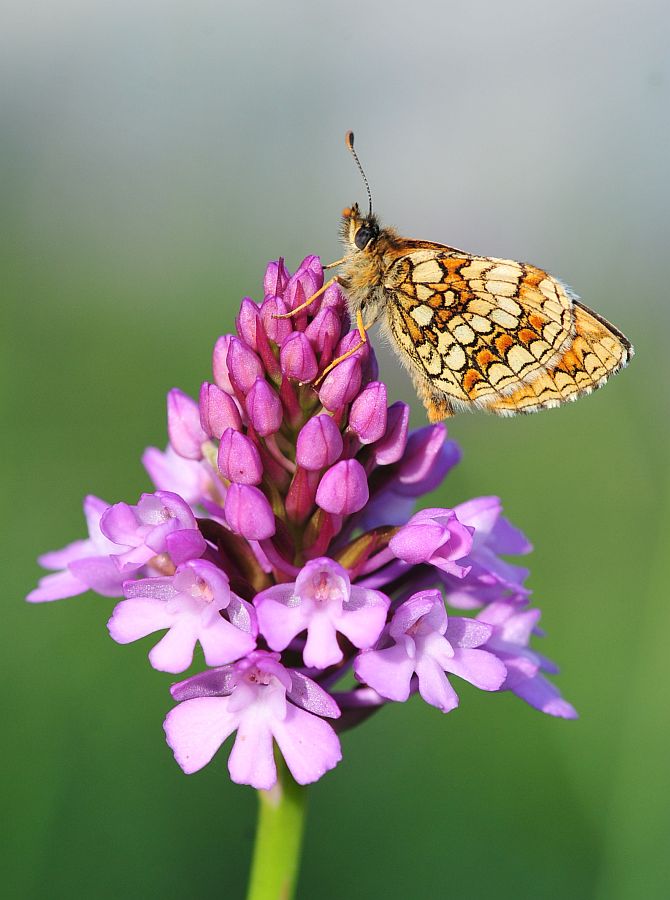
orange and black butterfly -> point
(474, 332)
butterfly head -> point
(359, 232)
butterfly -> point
(474, 332)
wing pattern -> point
(494, 333)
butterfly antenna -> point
(349, 141)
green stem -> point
(281, 821)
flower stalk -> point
(279, 833)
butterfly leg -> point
(362, 331)
(309, 301)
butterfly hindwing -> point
(597, 351)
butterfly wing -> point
(597, 351)
(475, 331)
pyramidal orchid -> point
(282, 549)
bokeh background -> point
(154, 156)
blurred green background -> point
(154, 156)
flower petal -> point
(479, 667)
(196, 729)
(308, 744)
(364, 625)
(434, 685)
(252, 761)
(388, 671)
(278, 622)
(321, 648)
(56, 587)
(223, 643)
(174, 652)
(136, 618)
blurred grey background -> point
(154, 156)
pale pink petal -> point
(59, 559)
(279, 623)
(252, 761)
(222, 642)
(100, 573)
(321, 648)
(389, 671)
(462, 632)
(479, 667)
(434, 685)
(56, 587)
(196, 729)
(363, 626)
(136, 618)
(174, 652)
(308, 744)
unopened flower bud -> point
(264, 408)
(248, 512)
(238, 459)
(297, 358)
(244, 366)
(341, 385)
(276, 278)
(368, 413)
(344, 488)
(306, 281)
(277, 329)
(220, 363)
(218, 411)
(247, 322)
(319, 443)
(390, 448)
(184, 428)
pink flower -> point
(83, 565)
(511, 631)
(434, 536)
(160, 523)
(262, 701)
(425, 642)
(189, 604)
(323, 602)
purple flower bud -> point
(238, 458)
(306, 281)
(248, 512)
(276, 329)
(247, 322)
(276, 278)
(324, 331)
(391, 447)
(319, 443)
(333, 298)
(244, 366)
(427, 459)
(297, 358)
(344, 488)
(264, 408)
(184, 428)
(220, 363)
(341, 385)
(218, 411)
(368, 413)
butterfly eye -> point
(363, 237)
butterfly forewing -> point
(477, 328)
